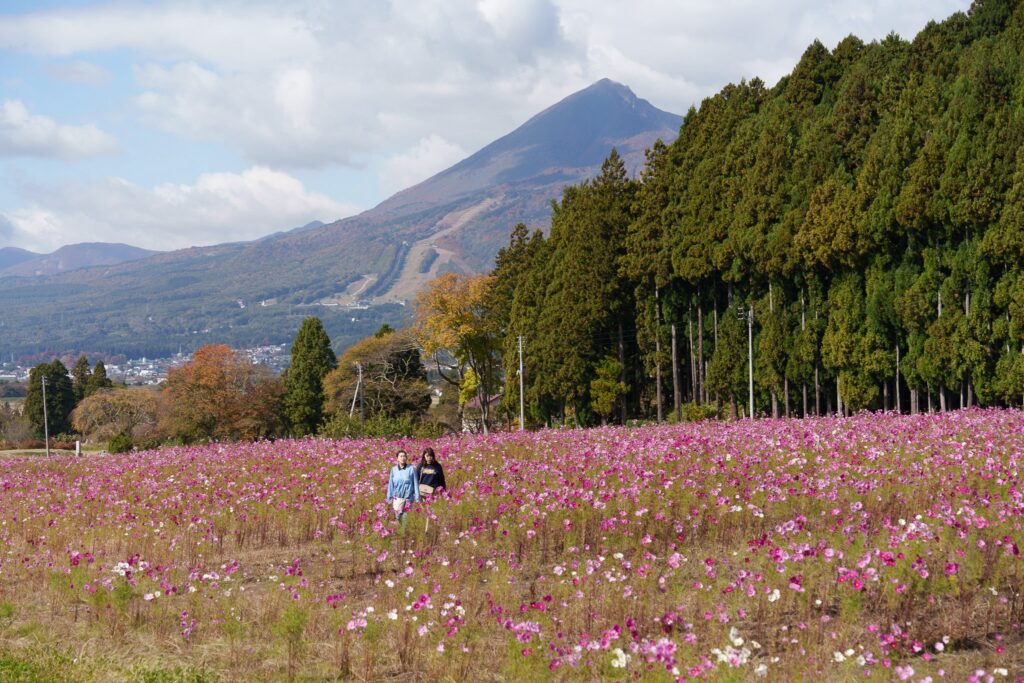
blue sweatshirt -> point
(404, 483)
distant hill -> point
(12, 256)
(73, 257)
(245, 293)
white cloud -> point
(219, 207)
(429, 156)
(397, 88)
(313, 83)
(85, 73)
(23, 133)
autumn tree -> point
(379, 375)
(221, 395)
(453, 329)
(132, 411)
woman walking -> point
(430, 472)
(403, 486)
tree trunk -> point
(657, 378)
(693, 360)
(885, 396)
(677, 406)
(817, 383)
(839, 400)
(732, 407)
(899, 407)
(942, 399)
(622, 374)
(700, 347)
(817, 391)
(657, 354)
(803, 391)
(785, 393)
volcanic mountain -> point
(353, 273)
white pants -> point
(399, 505)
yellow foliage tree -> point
(454, 329)
(132, 411)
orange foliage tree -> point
(221, 395)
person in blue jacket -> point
(403, 486)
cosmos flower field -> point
(877, 547)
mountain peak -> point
(578, 132)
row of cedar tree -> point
(867, 212)
(869, 209)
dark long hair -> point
(423, 456)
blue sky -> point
(171, 124)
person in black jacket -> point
(430, 472)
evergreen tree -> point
(311, 359)
(80, 376)
(60, 398)
(98, 379)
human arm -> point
(391, 486)
(416, 484)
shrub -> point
(693, 412)
(121, 443)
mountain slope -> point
(252, 292)
(75, 256)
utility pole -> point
(750, 357)
(657, 355)
(899, 408)
(522, 402)
(749, 316)
(46, 423)
(676, 398)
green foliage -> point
(98, 379)
(311, 359)
(606, 389)
(60, 398)
(80, 376)
(291, 627)
(120, 443)
(868, 207)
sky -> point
(168, 124)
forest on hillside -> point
(867, 211)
